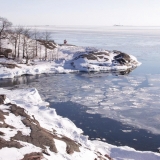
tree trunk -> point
(19, 44)
(15, 49)
(36, 48)
(27, 59)
(0, 44)
(45, 53)
(24, 48)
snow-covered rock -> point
(104, 61)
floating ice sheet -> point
(117, 97)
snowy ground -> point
(30, 100)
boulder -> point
(2, 98)
(5, 52)
(33, 156)
(9, 65)
(122, 58)
(122, 55)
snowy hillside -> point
(29, 129)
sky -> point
(82, 12)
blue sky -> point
(82, 12)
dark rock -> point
(39, 136)
(100, 53)
(67, 45)
(101, 57)
(11, 66)
(116, 52)
(5, 52)
(71, 145)
(33, 156)
(93, 56)
(2, 98)
(47, 44)
(45, 152)
(2, 118)
(1, 133)
(108, 157)
(9, 144)
(18, 111)
(69, 150)
(88, 56)
(122, 57)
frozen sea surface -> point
(130, 99)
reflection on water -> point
(26, 79)
(16, 81)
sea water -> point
(119, 108)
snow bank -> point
(30, 100)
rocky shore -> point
(29, 130)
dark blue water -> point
(106, 129)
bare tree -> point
(46, 38)
(4, 26)
(36, 36)
(28, 46)
(29, 49)
(19, 31)
(14, 40)
(40, 51)
(25, 37)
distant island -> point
(117, 25)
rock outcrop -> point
(34, 156)
(2, 98)
(122, 58)
(94, 56)
(103, 61)
(5, 52)
(9, 65)
(39, 136)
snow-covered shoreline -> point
(30, 100)
(71, 59)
